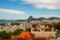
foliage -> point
(57, 26)
(4, 34)
(18, 31)
(28, 29)
(15, 23)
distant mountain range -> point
(2, 21)
(52, 18)
(41, 18)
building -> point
(43, 30)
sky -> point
(22, 9)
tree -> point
(56, 26)
(15, 23)
(4, 34)
(18, 31)
(28, 29)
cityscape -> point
(29, 19)
(33, 29)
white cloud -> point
(9, 11)
(48, 4)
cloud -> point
(48, 4)
(9, 11)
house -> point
(43, 30)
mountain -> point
(6, 21)
(52, 18)
(2, 20)
(41, 18)
(31, 18)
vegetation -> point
(4, 34)
(28, 29)
(18, 31)
(57, 26)
(15, 23)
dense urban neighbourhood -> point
(31, 30)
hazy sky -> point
(22, 9)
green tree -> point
(28, 29)
(15, 23)
(4, 34)
(57, 26)
(17, 32)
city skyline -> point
(22, 9)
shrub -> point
(56, 26)
(15, 23)
(4, 34)
(18, 31)
(28, 29)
